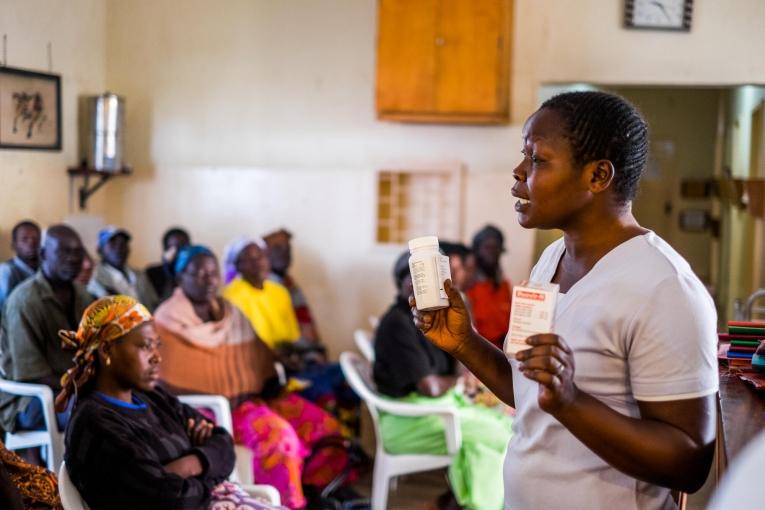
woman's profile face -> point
(550, 189)
(135, 358)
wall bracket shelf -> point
(87, 190)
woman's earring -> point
(108, 361)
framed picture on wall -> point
(30, 110)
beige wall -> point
(254, 115)
(34, 184)
(246, 115)
(583, 40)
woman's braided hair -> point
(605, 126)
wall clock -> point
(658, 14)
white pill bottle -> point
(429, 269)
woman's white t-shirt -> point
(642, 326)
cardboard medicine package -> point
(531, 313)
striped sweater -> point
(115, 453)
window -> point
(418, 202)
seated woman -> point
(130, 444)
(269, 308)
(210, 347)
(24, 486)
(409, 367)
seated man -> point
(162, 275)
(490, 293)
(409, 367)
(25, 241)
(36, 311)
(280, 257)
(112, 275)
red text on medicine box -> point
(525, 294)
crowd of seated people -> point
(217, 339)
(50, 286)
(35, 311)
(209, 346)
(274, 311)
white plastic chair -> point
(70, 496)
(243, 469)
(50, 439)
(72, 500)
(358, 374)
(365, 344)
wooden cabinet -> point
(444, 61)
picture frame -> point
(30, 110)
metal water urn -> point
(106, 113)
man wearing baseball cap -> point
(112, 275)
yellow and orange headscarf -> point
(105, 320)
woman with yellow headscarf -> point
(129, 443)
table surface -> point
(742, 413)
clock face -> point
(660, 14)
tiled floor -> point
(412, 492)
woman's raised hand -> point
(550, 362)
(448, 328)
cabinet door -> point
(443, 60)
(406, 60)
(472, 58)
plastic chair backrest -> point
(218, 404)
(365, 344)
(358, 373)
(70, 496)
(51, 439)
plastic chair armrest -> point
(447, 413)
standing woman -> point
(616, 408)
(129, 444)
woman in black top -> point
(130, 444)
(408, 367)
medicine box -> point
(531, 313)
